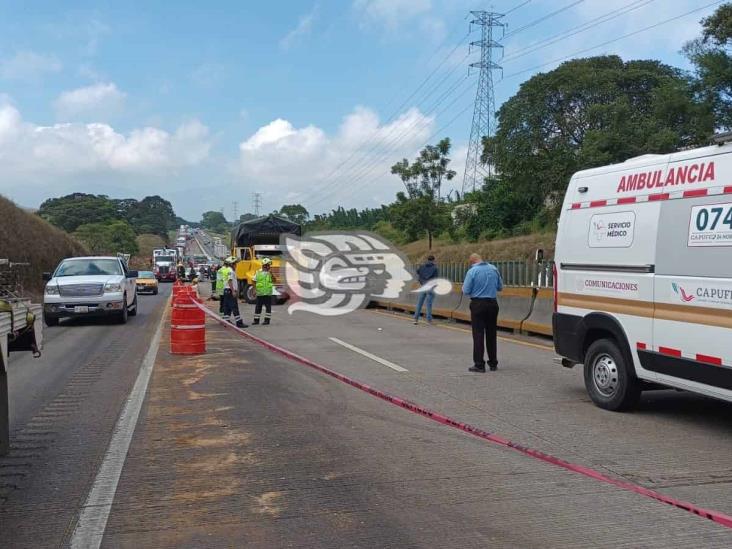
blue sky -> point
(302, 101)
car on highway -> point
(90, 286)
(147, 283)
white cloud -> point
(28, 65)
(42, 153)
(303, 28)
(91, 102)
(350, 167)
(391, 13)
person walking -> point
(482, 284)
(230, 302)
(264, 283)
(425, 273)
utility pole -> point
(257, 203)
(485, 104)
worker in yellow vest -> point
(231, 304)
(264, 284)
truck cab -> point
(254, 240)
(250, 261)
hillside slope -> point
(25, 237)
(507, 249)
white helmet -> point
(266, 261)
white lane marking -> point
(92, 521)
(369, 355)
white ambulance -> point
(643, 276)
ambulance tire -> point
(609, 378)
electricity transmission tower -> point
(257, 203)
(485, 105)
(235, 208)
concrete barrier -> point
(540, 320)
(514, 304)
(519, 310)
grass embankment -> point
(26, 238)
(146, 243)
(507, 249)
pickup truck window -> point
(82, 267)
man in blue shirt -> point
(482, 283)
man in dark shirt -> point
(425, 273)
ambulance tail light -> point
(555, 277)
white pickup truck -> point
(90, 286)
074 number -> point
(707, 219)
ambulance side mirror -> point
(539, 256)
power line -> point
(521, 5)
(353, 183)
(609, 16)
(417, 125)
(399, 108)
(544, 18)
(388, 139)
(579, 52)
(585, 50)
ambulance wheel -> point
(250, 294)
(609, 379)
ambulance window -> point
(679, 237)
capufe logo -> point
(680, 175)
(686, 298)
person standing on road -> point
(425, 273)
(482, 283)
(229, 299)
(264, 283)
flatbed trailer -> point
(20, 330)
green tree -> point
(70, 211)
(422, 209)
(151, 215)
(110, 237)
(295, 213)
(215, 222)
(586, 113)
(711, 54)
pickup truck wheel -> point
(609, 379)
(250, 294)
(133, 311)
(122, 316)
(50, 321)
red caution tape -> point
(715, 516)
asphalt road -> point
(243, 448)
(63, 408)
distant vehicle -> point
(643, 283)
(147, 283)
(164, 265)
(90, 286)
(251, 242)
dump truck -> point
(252, 241)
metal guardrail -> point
(513, 273)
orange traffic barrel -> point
(187, 327)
